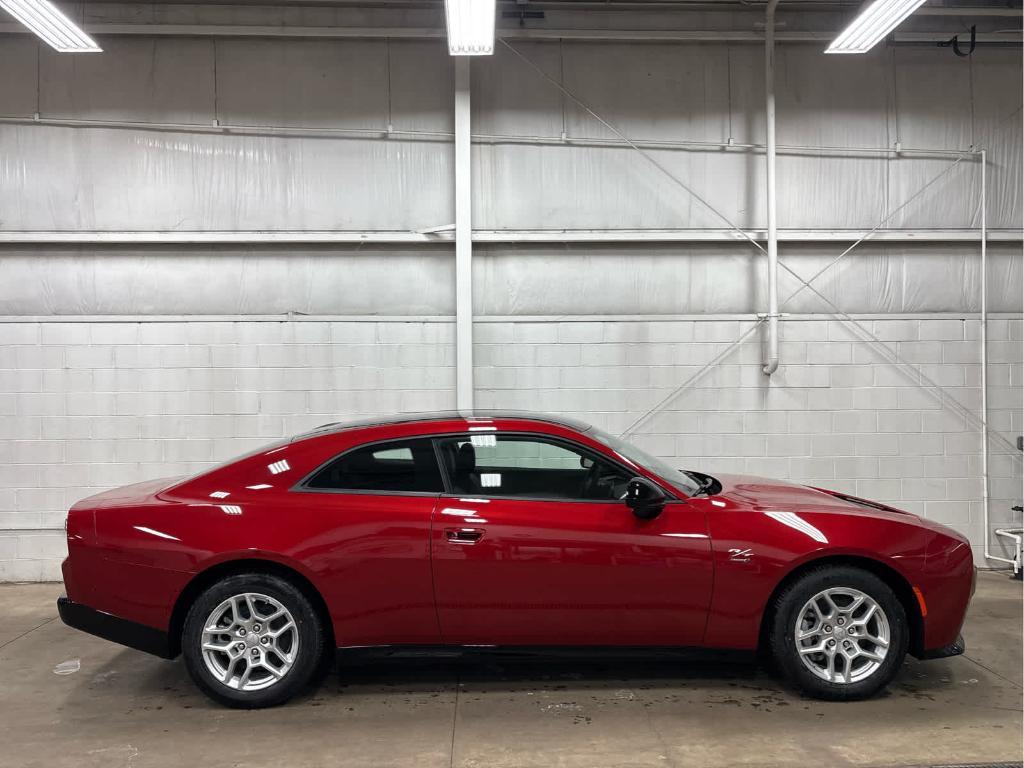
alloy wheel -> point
(842, 635)
(250, 641)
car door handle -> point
(463, 535)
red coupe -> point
(503, 529)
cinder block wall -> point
(838, 413)
(88, 405)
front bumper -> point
(953, 649)
(109, 627)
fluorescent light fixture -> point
(876, 20)
(470, 27)
(56, 29)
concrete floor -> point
(124, 708)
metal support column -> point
(463, 240)
(771, 363)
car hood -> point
(765, 495)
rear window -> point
(401, 466)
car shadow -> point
(517, 670)
(138, 682)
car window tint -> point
(408, 466)
(529, 467)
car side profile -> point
(510, 530)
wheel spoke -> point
(819, 648)
(868, 614)
(236, 608)
(244, 679)
(813, 605)
(871, 655)
(833, 607)
(847, 663)
(229, 671)
(806, 634)
(286, 656)
(276, 633)
(275, 615)
(272, 669)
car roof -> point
(470, 415)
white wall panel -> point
(18, 89)
(996, 88)
(511, 98)
(833, 101)
(933, 110)
(730, 278)
(303, 83)
(557, 187)
(420, 74)
(100, 179)
(669, 93)
(106, 178)
(143, 79)
(247, 281)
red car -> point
(503, 529)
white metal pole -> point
(984, 372)
(772, 359)
(463, 240)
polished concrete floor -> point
(123, 708)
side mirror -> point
(644, 498)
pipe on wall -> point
(772, 357)
(984, 374)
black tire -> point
(783, 645)
(310, 644)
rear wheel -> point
(252, 640)
(839, 633)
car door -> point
(534, 546)
(373, 505)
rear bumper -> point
(109, 627)
(955, 648)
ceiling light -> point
(875, 20)
(470, 27)
(56, 29)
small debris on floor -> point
(68, 667)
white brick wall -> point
(89, 405)
(86, 406)
(836, 414)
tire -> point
(854, 666)
(269, 628)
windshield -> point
(644, 459)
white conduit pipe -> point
(984, 376)
(772, 362)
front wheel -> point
(839, 633)
(252, 640)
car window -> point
(529, 467)
(402, 466)
(644, 459)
